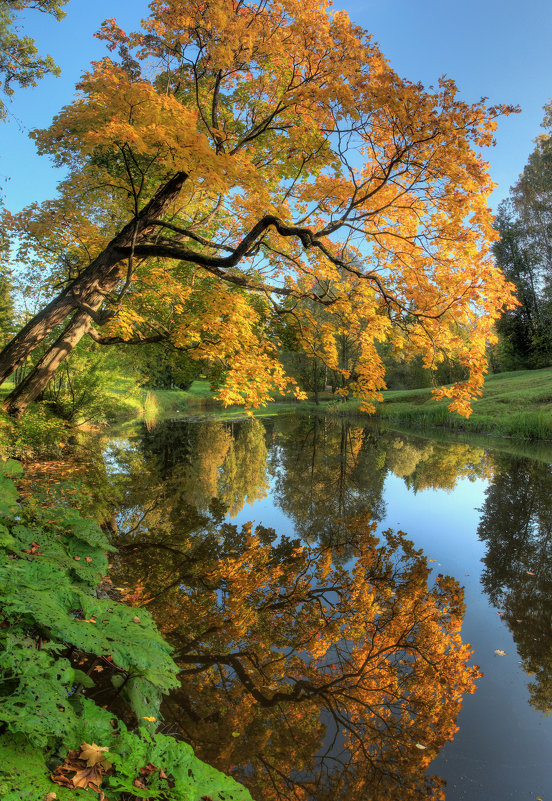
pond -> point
(316, 663)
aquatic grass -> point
(150, 410)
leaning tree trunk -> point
(89, 290)
(33, 384)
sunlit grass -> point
(515, 404)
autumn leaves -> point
(279, 112)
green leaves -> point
(50, 564)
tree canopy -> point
(20, 62)
(229, 162)
(524, 253)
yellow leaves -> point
(94, 754)
(114, 112)
(88, 765)
(403, 236)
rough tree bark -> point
(88, 290)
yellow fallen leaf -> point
(93, 754)
(499, 652)
(151, 720)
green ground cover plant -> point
(81, 675)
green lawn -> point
(199, 397)
(515, 404)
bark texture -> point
(84, 295)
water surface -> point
(187, 492)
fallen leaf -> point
(94, 754)
(88, 777)
(50, 797)
(530, 573)
(421, 747)
(136, 619)
(151, 720)
(85, 775)
(499, 652)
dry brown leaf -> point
(88, 777)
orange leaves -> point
(289, 110)
(88, 766)
(114, 111)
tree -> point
(260, 153)
(524, 253)
(20, 62)
(523, 331)
(304, 678)
(516, 526)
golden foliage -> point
(312, 171)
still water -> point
(317, 661)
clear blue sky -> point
(500, 49)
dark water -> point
(247, 614)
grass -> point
(172, 401)
(200, 398)
(517, 404)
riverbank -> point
(514, 405)
(517, 404)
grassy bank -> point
(200, 398)
(515, 404)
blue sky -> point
(499, 49)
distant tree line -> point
(524, 254)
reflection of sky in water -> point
(503, 748)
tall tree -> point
(258, 153)
(524, 253)
(20, 62)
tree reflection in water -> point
(309, 671)
(304, 678)
(516, 524)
